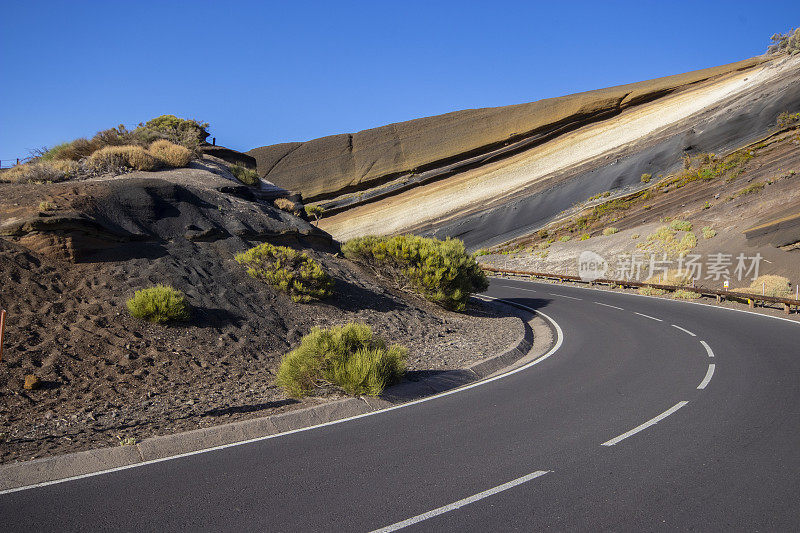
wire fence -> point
(14, 161)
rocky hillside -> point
(332, 166)
(495, 200)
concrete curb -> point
(535, 341)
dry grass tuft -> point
(115, 157)
(172, 155)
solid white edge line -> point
(565, 296)
(554, 349)
(460, 503)
(795, 322)
(648, 316)
(709, 374)
(708, 348)
(609, 305)
(684, 330)
(646, 425)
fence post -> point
(2, 331)
(213, 141)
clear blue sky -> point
(269, 72)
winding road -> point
(648, 414)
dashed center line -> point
(516, 288)
(708, 348)
(706, 379)
(565, 296)
(648, 316)
(651, 422)
(461, 503)
(608, 305)
(684, 330)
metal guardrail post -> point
(2, 331)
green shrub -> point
(481, 252)
(170, 154)
(315, 211)
(646, 178)
(161, 303)
(46, 206)
(246, 175)
(288, 270)
(610, 231)
(565, 238)
(680, 225)
(708, 232)
(585, 237)
(349, 357)
(682, 294)
(442, 271)
(651, 291)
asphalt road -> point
(547, 448)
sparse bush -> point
(707, 205)
(288, 270)
(172, 155)
(247, 176)
(682, 294)
(610, 231)
(112, 158)
(755, 187)
(442, 271)
(708, 232)
(646, 178)
(40, 172)
(71, 151)
(46, 206)
(585, 237)
(315, 211)
(672, 278)
(787, 119)
(543, 233)
(680, 225)
(161, 303)
(284, 204)
(651, 291)
(565, 238)
(771, 285)
(482, 251)
(788, 42)
(349, 357)
(635, 236)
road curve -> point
(652, 414)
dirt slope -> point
(66, 273)
(752, 208)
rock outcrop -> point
(338, 164)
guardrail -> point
(752, 299)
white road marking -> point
(461, 503)
(708, 348)
(685, 330)
(646, 425)
(607, 305)
(554, 349)
(706, 379)
(648, 316)
(517, 288)
(679, 302)
(565, 296)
